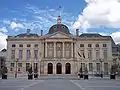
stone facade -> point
(59, 52)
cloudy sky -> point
(90, 16)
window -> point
(97, 54)
(19, 64)
(104, 45)
(11, 69)
(82, 53)
(90, 54)
(27, 66)
(20, 54)
(81, 45)
(83, 66)
(97, 45)
(105, 54)
(98, 68)
(89, 45)
(12, 65)
(90, 66)
(13, 45)
(28, 55)
(36, 45)
(105, 68)
(18, 69)
(35, 54)
(28, 45)
(21, 45)
(35, 65)
(13, 54)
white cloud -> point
(3, 43)
(3, 30)
(99, 12)
(116, 37)
(15, 25)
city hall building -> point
(59, 52)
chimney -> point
(77, 32)
(41, 32)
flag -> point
(79, 54)
(83, 55)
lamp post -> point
(16, 67)
(101, 74)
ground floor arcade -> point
(59, 67)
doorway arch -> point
(59, 68)
(67, 68)
(50, 68)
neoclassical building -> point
(59, 52)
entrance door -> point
(59, 68)
(50, 68)
(67, 68)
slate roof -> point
(59, 27)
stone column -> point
(54, 49)
(45, 49)
(101, 52)
(71, 49)
(54, 68)
(63, 68)
(75, 51)
(63, 50)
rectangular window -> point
(28, 55)
(105, 68)
(89, 45)
(35, 65)
(20, 54)
(90, 66)
(98, 68)
(27, 66)
(97, 54)
(35, 54)
(97, 45)
(82, 53)
(21, 45)
(13, 45)
(36, 45)
(81, 45)
(90, 54)
(13, 54)
(12, 65)
(104, 45)
(28, 45)
(19, 64)
(105, 54)
(83, 66)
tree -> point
(30, 70)
(81, 71)
(114, 69)
(35, 70)
(86, 71)
(4, 70)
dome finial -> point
(59, 20)
(59, 16)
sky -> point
(89, 16)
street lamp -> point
(101, 74)
(16, 67)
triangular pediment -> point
(59, 35)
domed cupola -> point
(59, 27)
